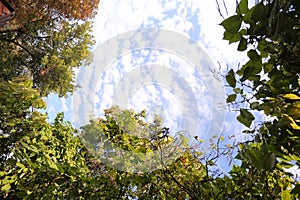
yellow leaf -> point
(291, 96)
(221, 138)
(291, 122)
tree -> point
(37, 159)
(269, 82)
(40, 48)
(33, 10)
(47, 44)
(192, 175)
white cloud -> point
(295, 171)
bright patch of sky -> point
(196, 19)
(151, 95)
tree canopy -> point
(45, 41)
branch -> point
(11, 30)
(120, 191)
(23, 47)
(187, 190)
(219, 9)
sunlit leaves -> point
(46, 155)
(34, 10)
(292, 96)
(46, 50)
(290, 122)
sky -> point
(194, 19)
(197, 20)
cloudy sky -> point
(195, 19)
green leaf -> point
(269, 161)
(242, 7)
(245, 117)
(231, 37)
(20, 165)
(259, 12)
(254, 57)
(184, 140)
(232, 24)
(254, 105)
(247, 73)
(285, 195)
(5, 188)
(230, 78)
(296, 189)
(249, 69)
(256, 13)
(237, 90)
(231, 98)
(242, 45)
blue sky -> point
(196, 19)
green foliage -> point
(36, 157)
(45, 48)
(124, 141)
(16, 100)
(245, 117)
(48, 53)
(232, 24)
(268, 82)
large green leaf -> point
(256, 13)
(231, 98)
(259, 12)
(232, 24)
(230, 78)
(231, 37)
(245, 117)
(242, 7)
(254, 57)
(248, 72)
(242, 45)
